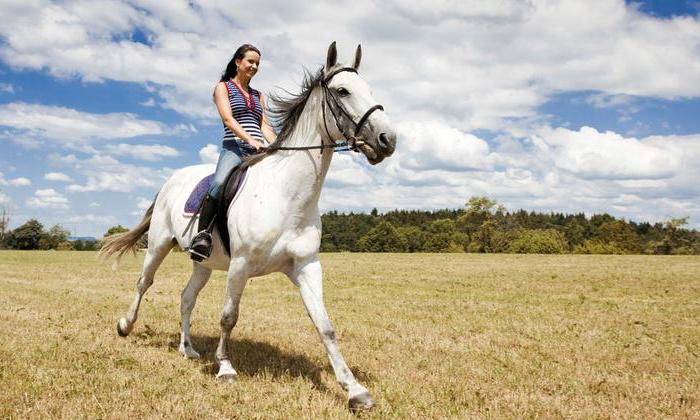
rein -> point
(351, 141)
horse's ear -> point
(358, 57)
(332, 58)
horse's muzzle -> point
(386, 143)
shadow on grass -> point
(250, 357)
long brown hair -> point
(231, 68)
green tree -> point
(442, 236)
(479, 223)
(673, 239)
(116, 229)
(413, 236)
(26, 236)
(85, 245)
(539, 241)
(382, 238)
(593, 246)
(55, 237)
(619, 234)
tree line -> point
(483, 226)
(32, 235)
(486, 226)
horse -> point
(273, 222)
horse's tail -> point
(127, 241)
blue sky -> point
(550, 106)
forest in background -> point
(483, 226)
(486, 226)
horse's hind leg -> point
(157, 250)
(200, 277)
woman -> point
(246, 131)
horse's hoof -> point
(361, 402)
(226, 372)
(188, 352)
(123, 328)
(226, 377)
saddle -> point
(234, 182)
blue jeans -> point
(231, 156)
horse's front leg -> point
(308, 276)
(237, 279)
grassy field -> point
(430, 335)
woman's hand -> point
(259, 147)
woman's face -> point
(248, 65)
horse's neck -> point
(302, 172)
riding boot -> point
(200, 248)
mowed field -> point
(430, 335)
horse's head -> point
(353, 110)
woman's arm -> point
(224, 108)
(265, 127)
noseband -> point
(351, 141)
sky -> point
(546, 105)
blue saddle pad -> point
(200, 190)
(197, 195)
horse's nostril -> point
(383, 141)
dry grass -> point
(450, 335)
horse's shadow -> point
(251, 358)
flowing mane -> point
(287, 110)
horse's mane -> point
(286, 111)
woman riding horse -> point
(246, 131)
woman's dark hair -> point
(231, 68)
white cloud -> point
(57, 176)
(141, 206)
(104, 173)
(435, 145)
(20, 182)
(347, 171)
(142, 151)
(150, 102)
(457, 66)
(22, 139)
(16, 182)
(48, 198)
(592, 154)
(550, 169)
(144, 203)
(209, 153)
(73, 128)
(494, 61)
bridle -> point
(351, 142)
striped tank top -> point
(247, 112)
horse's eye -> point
(343, 92)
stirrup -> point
(198, 251)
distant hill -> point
(81, 238)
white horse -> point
(274, 221)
